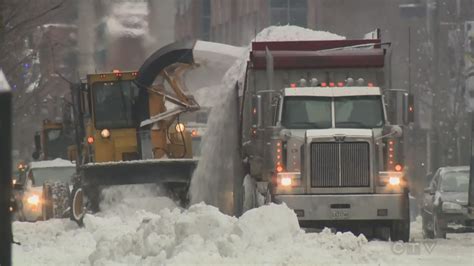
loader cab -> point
(109, 107)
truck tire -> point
(60, 199)
(400, 229)
(77, 205)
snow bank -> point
(203, 235)
(58, 162)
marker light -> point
(340, 84)
(90, 140)
(314, 82)
(331, 84)
(33, 200)
(180, 127)
(360, 82)
(14, 181)
(105, 133)
(115, 71)
(279, 168)
(398, 167)
(194, 133)
(324, 84)
(370, 84)
(285, 181)
(293, 85)
(394, 180)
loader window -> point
(359, 112)
(306, 112)
(115, 104)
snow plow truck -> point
(128, 125)
(316, 135)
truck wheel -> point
(400, 230)
(46, 204)
(77, 209)
(381, 232)
(438, 229)
(60, 199)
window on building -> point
(293, 12)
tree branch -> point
(38, 16)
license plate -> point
(341, 214)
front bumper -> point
(347, 207)
(457, 222)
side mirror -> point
(408, 108)
(392, 131)
(429, 190)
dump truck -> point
(316, 134)
(128, 124)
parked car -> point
(445, 203)
(46, 191)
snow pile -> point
(123, 201)
(58, 162)
(203, 235)
(294, 33)
(220, 166)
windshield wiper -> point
(352, 124)
(309, 124)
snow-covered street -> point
(148, 229)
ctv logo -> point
(413, 248)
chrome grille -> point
(335, 164)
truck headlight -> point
(289, 179)
(390, 178)
(451, 207)
(105, 133)
(33, 200)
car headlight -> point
(33, 200)
(451, 207)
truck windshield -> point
(305, 112)
(114, 104)
(358, 112)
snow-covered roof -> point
(4, 86)
(52, 163)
